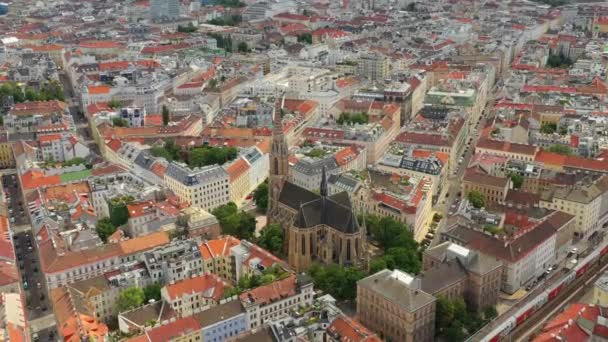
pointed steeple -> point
(279, 159)
(363, 242)
(323, 187)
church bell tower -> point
(279, 160)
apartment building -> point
(393, 304)
(61, 147)
(101, 292)
(200, 223)
(238, 171)
(494, 189)
(192, 295)
(455, 272)
(217, 258)
(373, 66)
(134, 116)
(582, 200)
(207, 187)
(13, 319)
(404, 198)
(177, 260)
(150, 216)
(417, 163)
(44, 116)
(74, 320)
(7, 160)
(525, 255)
(306, 173)
(62, 266)
(506, 149)
(273, 301)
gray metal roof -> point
(313, 167)
(190, 177)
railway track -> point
(538, 319)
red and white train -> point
(523, 313)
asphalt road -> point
(37, 303)
(80, 121)
(443, 205)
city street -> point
(80, 121)
(32, 279)
(444, 203)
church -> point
(318, 227)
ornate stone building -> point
(318, 227)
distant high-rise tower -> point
(164, 9)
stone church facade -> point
(318, 227)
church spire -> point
(323, 187)
(279, 158)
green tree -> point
(169, 151)
(119, 122)
(490, 313)
(243, 47)
(305, 38)
(234, 222)
(207, 155)
(377, 265)
(339, 281)
(316, 153)
(548, 128)
(260, 195)
(152, 292)
(130, 299)
(444, 313)
(114, 104)
(230, 3)
(477, 199)
(560, 149)
(228, 20)
(212, 83)
(105, 228)
(119, 213)
(517, 180)
(166, 115)
(352, 118)
(454, 321)
(271, 239)
(389, 232)
(559, 61)
(190, 28)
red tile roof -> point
(164, 48)
(218, 247)
(73, 325)
(291, 16)
(346, 155)
(96, 90)
(574, 324)
(139, 209)
(99, 44)
(208, 286)
(114, 144)
(55, 259)
(174, 330)
(33, 179)
(346, 329)
(159, 169)
(266, 294)
(236, 169)
(38, 107)
(506, 146)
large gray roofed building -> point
(190, 177)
